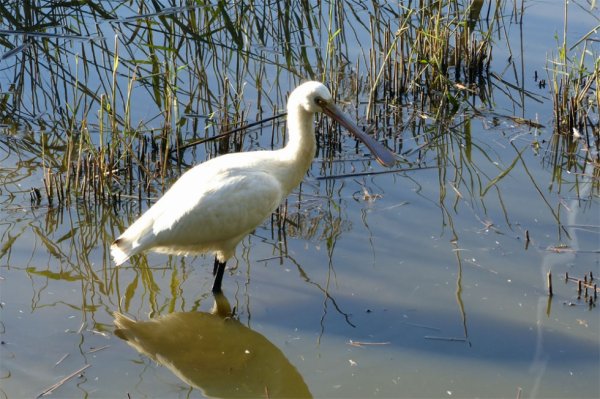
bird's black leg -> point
(218, 270)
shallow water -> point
(450, 305)
(387, 287)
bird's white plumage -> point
(215, 204)
(210, 208)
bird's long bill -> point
(384, 156)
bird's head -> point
(311, 97)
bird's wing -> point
(226, 205)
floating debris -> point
(52, 388)
(361, 344)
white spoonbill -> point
(214, 205)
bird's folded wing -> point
(225, 206)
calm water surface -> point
(387, 287)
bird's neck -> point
(299, 151)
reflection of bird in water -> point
(213, 206)
(214, 353)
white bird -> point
(214, 205)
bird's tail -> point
(121, 250)
(131, 242)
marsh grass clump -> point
(98, 62)
(129, 95)
(575, 142)
(438, 47)
(125, 88)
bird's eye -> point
(320, 102)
